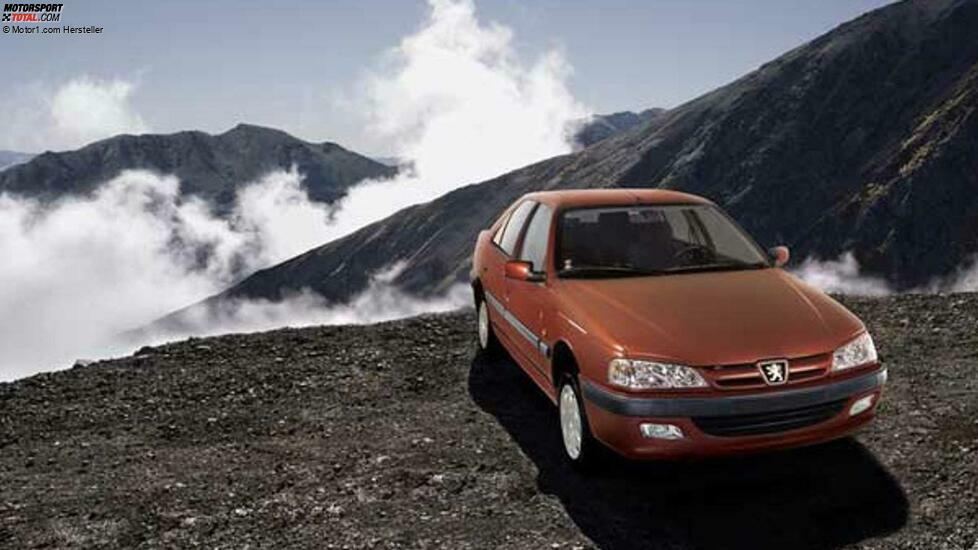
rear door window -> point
(514, 226)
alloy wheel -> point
(570, 421)
(483, 326)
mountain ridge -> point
(210, 166)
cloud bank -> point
(964, 279)
(79, 271)
(380, 301)
(843, 276)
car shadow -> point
(816, 497)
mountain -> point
(600, 127)
(862, 140)
(209, 166)
(10, 158)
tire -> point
(580, 447)
(485, 337)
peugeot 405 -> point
(660, 329)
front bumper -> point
(824, 409)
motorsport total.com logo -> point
(32, 13)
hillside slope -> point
(862, 140)
(209, 166)
(396, 435)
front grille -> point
(747, 375)
(768, 422)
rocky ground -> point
(396, 435)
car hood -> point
(711, 318)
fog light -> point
(862, 405)
(661, 431)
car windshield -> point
(620, 241)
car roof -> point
(575, 198)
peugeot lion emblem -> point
(774, 372)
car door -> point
(526, 300)
(494, 278)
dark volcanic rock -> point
(208, 166)
(860, 140)
(397, 435)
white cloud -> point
(841, 276)
(457, 102)
(70, 115)
(277, 212)
(86, 109)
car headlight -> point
(858, 352)
(645, 375)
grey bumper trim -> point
(732, 404)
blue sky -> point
(210, 64)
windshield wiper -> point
(725, 266)
(605, 271)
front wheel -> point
(487, 338)
(579, 445)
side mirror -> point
(522, 271)
(780, 254)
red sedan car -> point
(660, 329)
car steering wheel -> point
(691, 252)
